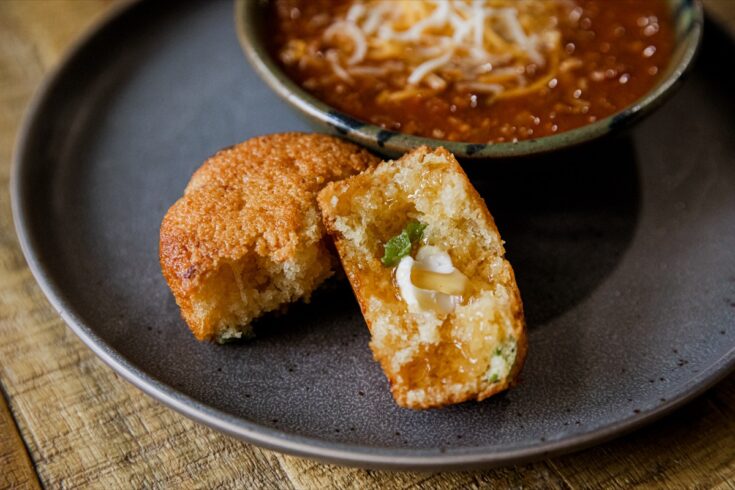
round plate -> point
(623, 252)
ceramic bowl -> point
(687, 17)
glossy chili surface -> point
(622, 46)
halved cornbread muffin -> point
(427, 265)
(247, 238)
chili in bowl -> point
(483, 78)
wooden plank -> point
(309, 474)
(693, 448)
(17, 469)
(84, 426)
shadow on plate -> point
(567, 218)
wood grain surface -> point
(83, 426)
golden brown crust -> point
(370, 280)
(255, 199)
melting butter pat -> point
(430, 282)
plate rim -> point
(311, 447)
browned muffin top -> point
(255, 196)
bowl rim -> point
(389, 141)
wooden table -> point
(67, 420)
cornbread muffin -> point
(246, 238)
(427, 265)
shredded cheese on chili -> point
(503, 48)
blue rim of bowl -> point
(260, 435)
(688, 18)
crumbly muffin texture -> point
(430, 358)
(246, 238)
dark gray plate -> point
(624, 251)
